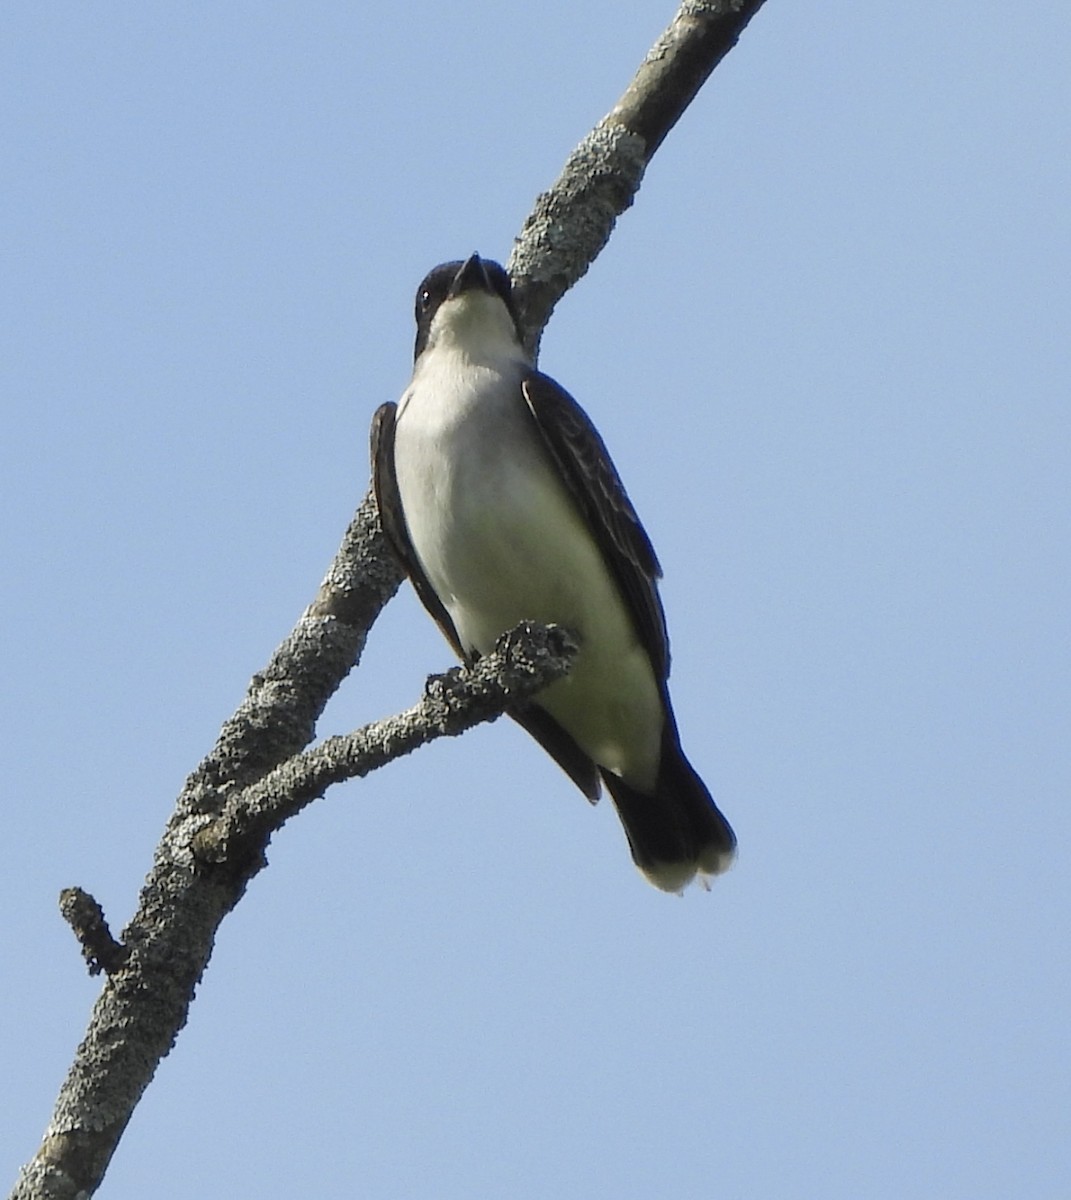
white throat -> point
(477, 328)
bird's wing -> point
(560, 745)
(392, 518)
(585, 464)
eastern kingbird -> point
(500, 499)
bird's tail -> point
(678, 832)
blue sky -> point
(829, 349)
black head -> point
(453, 279)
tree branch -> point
(86, 917)
(256, 775)
(525, 660)
(572, 221)
(202, 868)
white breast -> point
(501, 541)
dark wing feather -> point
(559, 745)
(392, 518)
(587, 468)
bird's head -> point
(469, 307)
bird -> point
(500, 500)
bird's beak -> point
(472, 276)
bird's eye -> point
(425, 299)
